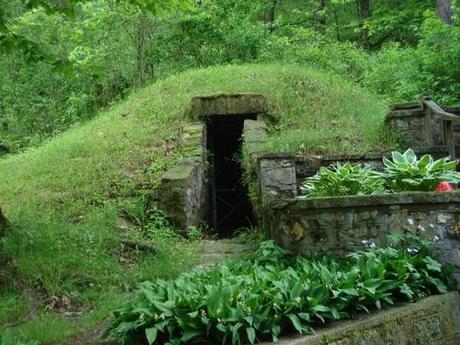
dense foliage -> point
(61, 64)
(272, 294)
(403, 173)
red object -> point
(444, 187)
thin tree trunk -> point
(141, 38)
(337, 26)
(269, 15)
(364, 12)
(319, 19)
(364, 9)
(445, 11)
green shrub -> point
(271, 294)
(402, 73)
(406, 173)
(307, 47)
(344, 180)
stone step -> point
(216, 251)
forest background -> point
(61, 61)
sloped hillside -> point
(65, 199)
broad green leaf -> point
(151, 334)
(251, 334)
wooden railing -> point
(433, 111)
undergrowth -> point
(272, 294)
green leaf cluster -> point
(271, 294)
(342, 180)
(402, 173)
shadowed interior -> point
(230, 208)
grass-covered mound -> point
(63, 198)
(272, 295)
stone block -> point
(182, 192)
(227, 104)
(277, 179)
(254, 137)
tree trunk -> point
(141, 38)
(3, 224)
(445, 11)
(364, 9)
(319, 19)
(364, 12)
(269, 15)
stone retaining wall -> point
(408, 120)
(183, 192)
(432, 321)
(281, 174)
(340, 225)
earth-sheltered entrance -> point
(206, 186)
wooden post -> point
(428, 121)
(449, 138)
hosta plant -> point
(272, 294)
(342, 180)
(404, 172)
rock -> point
(3, 224)
(4, 150)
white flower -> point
(372, 245)
(436, 238)
(412, 250)
(410, 221)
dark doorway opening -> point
(230, 208)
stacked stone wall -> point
(340, 225)
(408, 121)
(183, 192)
(432, 321)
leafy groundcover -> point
(271, 294)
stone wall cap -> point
(369, 200)
(332, 333)
(405, 106)
(356, 157)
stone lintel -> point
(227, 104)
